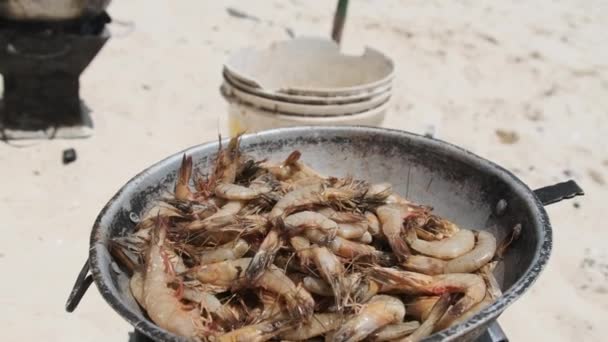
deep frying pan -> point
(467, 189)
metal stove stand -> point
(41, 64)
(493, 334)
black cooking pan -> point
(461, 186)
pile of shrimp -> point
(256, 251)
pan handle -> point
(557, 192)
(81, 286)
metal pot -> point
(461, 186)
(51, 10)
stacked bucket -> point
(305, 81)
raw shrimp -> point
(332, 271)
(429, 325)
(249, 245)
(366, 238)
(482, 253)
(437, 228)
(235, 192)
(293, 169)
(227, 162)
(225, 273)
(365, 289)
(341, 216)
(230, 273)
(493, 292)
(474, 289)
(300, 197)
(298, 300)
(471, 285)
(351, 231)
(318, 324)
(264, 256)
(380, 188)
(420, 307)
(395, 331)
(160, 301)
(229, 251)
(260, 332)
(340, 246)
(301, 246)
(286, 168)
(182, 188)
(450, 248)
(136, 285)
(392, 222)
(373, 224)
(310, 219)
(224, 215)
(271, 306)
(210, 304)
(380, 311)
(317, 286)
(394, 198)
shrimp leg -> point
(380, 311)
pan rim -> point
(485, 316)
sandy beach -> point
(524, 84)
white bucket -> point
(243, 117)
(310, 67)
(306, 109)
(306, 99)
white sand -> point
(537, 68)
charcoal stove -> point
(43, 51)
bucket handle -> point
(81, 286)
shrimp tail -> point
(182, 190)
(292, 158)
